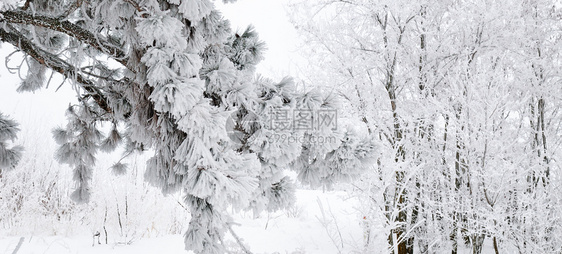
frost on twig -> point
(330, 224)
(18, 246)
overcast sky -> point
(273, 27)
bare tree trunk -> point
(399, 191)
(453, 235)
(477, 243)
(104, 221)
(496, 245)
(404, 242)
(425, 132)
(459, 181)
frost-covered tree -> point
(9, 156)
(171, 78)
(460, 97)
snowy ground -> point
(301, 230)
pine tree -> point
(9, 157)
(172, 78)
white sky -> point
(45, 108)
(273, 27)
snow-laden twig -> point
(326, 222)
(19, 245)
(238, 240)
(229, 226)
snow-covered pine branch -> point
(170, 76)
(9, 156)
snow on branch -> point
(55, 63)
(66, 27)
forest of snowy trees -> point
(464, 99)
(441, 117)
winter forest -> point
(355, 126)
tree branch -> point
(134, 4)
(66, 27)
(26, 5)
(71, 8)
(47, 59)
(238, 240)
